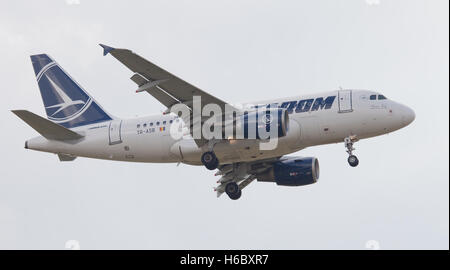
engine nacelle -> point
(293, 171)
(265, 123)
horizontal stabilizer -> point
(47, 128)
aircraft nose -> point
(408, 115)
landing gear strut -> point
(210, 160)
(352, 159)
(233, 191)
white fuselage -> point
(144, 140)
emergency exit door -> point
(345, 101)
(114, 132)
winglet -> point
(106, 49)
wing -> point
(243, 173)
(164, 86)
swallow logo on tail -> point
(67, 101)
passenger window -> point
(373, 97)
(380, 97)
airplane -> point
(77, 126)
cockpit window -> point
(380, 97)
(373, 97)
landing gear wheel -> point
(210, 160)
(235, 196)
(353, 161)
(233, 191)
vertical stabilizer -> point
(66, 102)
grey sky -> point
(239, 51)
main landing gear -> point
(210, 160)
(233, 191)
(352, 159)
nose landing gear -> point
(352, 159)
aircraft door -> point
(345, 101)
(114, 132)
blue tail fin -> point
(66, 103)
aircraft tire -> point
(353, 161)
(210, 160)
(233, 191)
(235, 196)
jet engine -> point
(292, 171)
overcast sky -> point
(239, 51)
